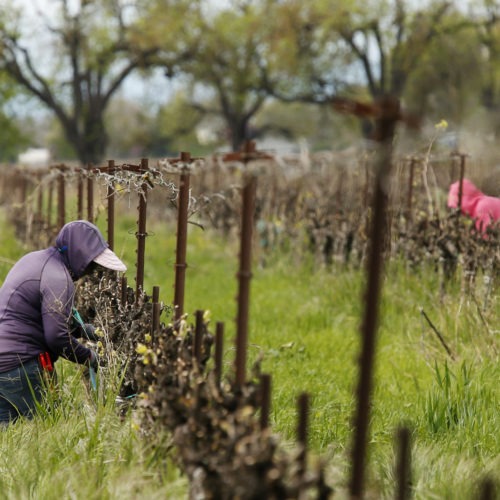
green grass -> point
(304, 321)
(10, 248)
(79, 449)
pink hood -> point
(483, 209)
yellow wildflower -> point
(207, 315)
(442, 125)
(141, 349)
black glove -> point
(88, 332)
(83, 331)
(93, 361)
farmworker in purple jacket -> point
(36, 301)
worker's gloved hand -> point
(93, 360)
(89, 332)
(84, 331)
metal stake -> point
(386, 123)
(182, 221)
(141, 233)
(111, 206)
(244, 277)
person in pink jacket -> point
(483, 209)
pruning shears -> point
(92, 372)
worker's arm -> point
(56, 302)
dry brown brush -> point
(215, 427)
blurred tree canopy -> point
(238, 60)
(81, 59)
(12, 137)
(489, 36)
(227, 68)
(158, 133)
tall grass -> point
(79, 448)
(10, 248)
(304, 323)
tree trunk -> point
(239, 132)
(89, 141)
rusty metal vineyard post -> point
(244, 274)
(141, 231)
(302, 428)
(155, 323)
(403, 466)
(461, 180)
(110, 196)
(460, 186)
(90, 197)
(409, 204)
(156, 294)
(39, 205)
(24, 190)
(244, 277)
(219, 351)
(385, 128)
(387, 113)
(488, 490)
(50, 203)
(79, 195)
(124, 287)
(61, 198)
(198, 336)
(141, 234)
(181, 250)
(265, 400)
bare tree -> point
(376, 46)
(90, 54)
(228, 68)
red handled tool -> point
(45, 361)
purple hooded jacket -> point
(36, 298)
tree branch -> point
(382, 55)
(44, 93)
(348, 36)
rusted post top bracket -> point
(247, 153)
(458, 154)
(184, 157)
(381, 108)
(385, 108)
(61, 167)
(127, 167)
(184, 163)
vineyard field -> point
(305, 325)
